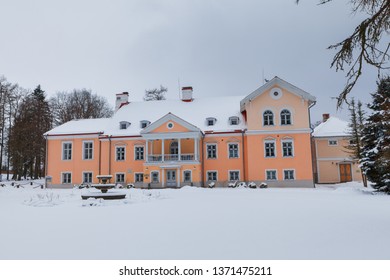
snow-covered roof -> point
(195, 112)
(331, 128)
(84, 126)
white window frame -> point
(238, 149)
(87, 172)
(210, 119)
(265, 150)
(158, 176)
(294, 173)
(116, 153)
(88, 142)
(120, 173)
(273, 118)
(291, 118)
(135, 152)
(184, 177)
(292, 147)
(234, 118)
(276, 174)
(144, 124)
(62, 177)
(239, 175)
(333, 140)
(63, 150)
(212, 171)
(135, 177)
(207, 151)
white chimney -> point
(186, 94)
(121, 99)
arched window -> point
(268, 118)
(285, 117)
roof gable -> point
(276, 81)
(162, 125)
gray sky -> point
(220, 47)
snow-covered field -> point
(330, 222)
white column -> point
(196, 156)
(146, 150)
(179, 149)
(178, 177)
(162, 149)
(162, 177)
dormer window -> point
(211, 121)
(144, 124)
(234, 120)
(124, 125)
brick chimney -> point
(121, 100)
(186, 94)
(325, 117)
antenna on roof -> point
(264, 79)
(178, 83)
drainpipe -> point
(202, 165)
(46, 160)
(109, 155)
(243, 154)
(311, 143)
(100, 157)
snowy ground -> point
(330, 222)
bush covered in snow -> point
(44, 200)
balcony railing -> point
(171, 157)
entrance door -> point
(171, 178)
(345, 172)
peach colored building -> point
(332, 160)
(262, 137)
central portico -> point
(172, 152)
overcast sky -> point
(220, 47)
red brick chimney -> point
(186, 94)
(325, 117)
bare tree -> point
(155, 94)
(363, 46)
(79, 104)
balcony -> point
(171, 157)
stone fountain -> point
(105, 187)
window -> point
(87, 150)
(268, 118)
(120, 177)
(139, 177)
(66, 178)
(332, 143)
(170, 125)
(211, 176)
(270, 175)
(155, 177)
(211, 151)
(211, 121)
(124, 125)
(87, 177)
(287, 147)
(139, 152)
(269, 149)
(234, 120)
(289, 175)
(285, 117)
(233, 150)
(67, 151)
(187, 176)
(120, 153)
(144, 124)
(234, 175)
